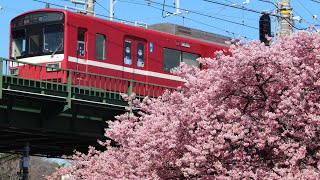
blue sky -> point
(207, 16)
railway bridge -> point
(55, 116)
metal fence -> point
(72, 83)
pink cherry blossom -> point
(252, 115)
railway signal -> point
(264, 28)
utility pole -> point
(112, 3)
(90, 7)
(286, 18)
(25, 162)
(177, 5)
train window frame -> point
(101, 47)
(127, 60)
(34, 41)
(23, 43)
(192, 62)
(59, 48)
(140, 54)
(171, 62)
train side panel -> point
(121, 38)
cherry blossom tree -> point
(252, 115)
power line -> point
(101, 15)
(234, 6)
(102, 6)
(228, 32)
(122, 20)
(202, 14)
(316, 1)
(57, 5)
(229, 1)
(164, 2)
(235, 17)
(216, 13)
(291, 24)
(313, 16)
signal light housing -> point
(264, 28)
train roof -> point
(191, 33)
(163, 28)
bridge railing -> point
(73, 83)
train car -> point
(69, 40)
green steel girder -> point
(50, 130)
(57, 116)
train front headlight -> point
(52, 67)
(14, 71)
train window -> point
(127, 52)
(34, 41)
(171, 59)
(190, 58)
(18, 43)
(140, 55)
(81, 41)
(53, 38)
(100, 51)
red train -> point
(64, 39)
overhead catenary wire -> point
(278, 9)
(198, 13)
(316, 1)
(184, 17)
(164, 2)
(216, 13)
(202, 14)
(303, 19)
(101, 15)
(228, 32)
(305, 8)
(252, 10)
(234, 6)
(229, 1)
(102, 6)
(313, 16)
(57, 5)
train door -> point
(81, 49)
(134, 61)
(82, 55)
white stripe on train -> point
(125, 69)
(59, 58)
(42, 59)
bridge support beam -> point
(69, 81)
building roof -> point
(190, 33)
